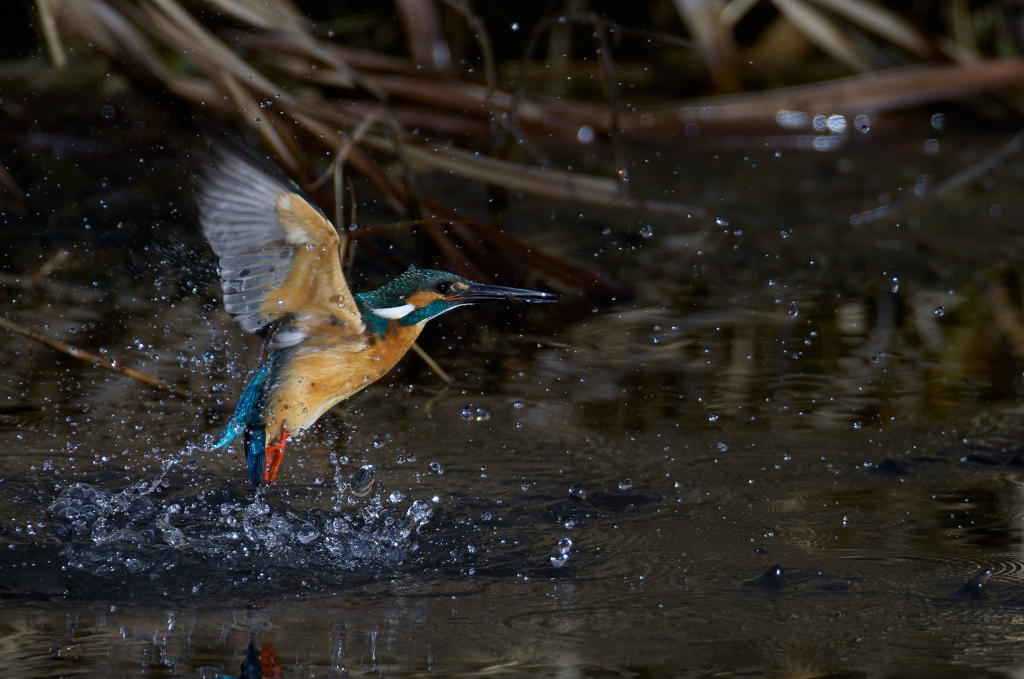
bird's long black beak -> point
(497, 293)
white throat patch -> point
(395, 312)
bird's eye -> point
(443, 286)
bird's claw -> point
(274, 457)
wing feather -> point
(279, 257)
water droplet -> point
(518, 405)
(400, 459)
(940, 311)
(417, 515)
(858, 424)
(625, 484)
(436, 466)
(722, 446)
(585, 135)
(578, 490)
(794, 310)
(515, 26)
(938, 121)
(470, 413)
(836, 123)
(647, 231)
(712, 417)
(378, 443)
(362, 480)
(564, 545)
(895, 287)
(721, 221)
(396, 497)
(173, 536)
(862, 123)
(931, 147)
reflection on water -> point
(794, 452)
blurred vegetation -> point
(505, 94)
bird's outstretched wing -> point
(279, 262)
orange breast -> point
(320, 374)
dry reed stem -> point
(1007, 319)
(823, 32)
(93, 359)
(47, 269)
(283, 17)
(48, 23)
(872, 92)
(556, 184)
(423, 31)
(8, 182)
(483, 42)
(734, 12)
(959, 179)
(881, 22)
(611, 95)
(703, 18)
(212, 57)
(431, 363)
(248, 107)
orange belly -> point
(317, 376)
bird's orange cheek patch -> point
(422, 298)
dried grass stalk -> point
(703, 18)
(882, 22)
(823, 32)
(93, 359)
(872, 92)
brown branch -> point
(47, 269)
(438, 370)
(88, 357)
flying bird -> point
(280, 270)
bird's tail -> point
(248, 418)
(255, 453)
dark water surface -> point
(786, 455)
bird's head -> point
(419, 295)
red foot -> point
(275, 454)
(268, 659)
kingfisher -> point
(281, 276)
